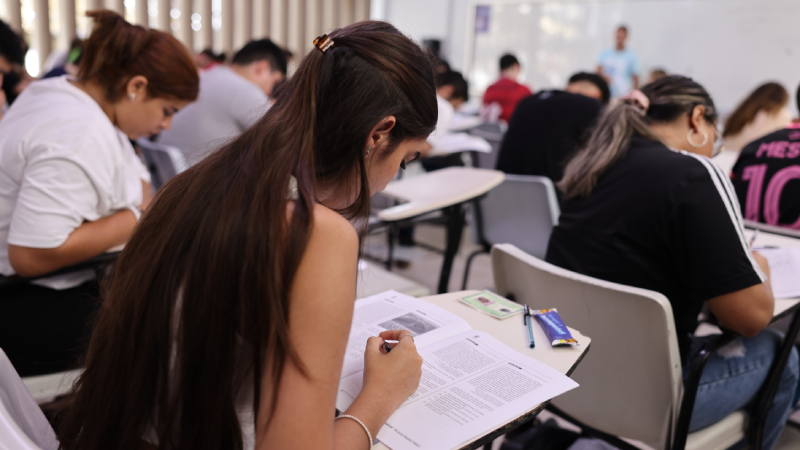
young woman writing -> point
(645, 207)
(228, 312)
(72, 187)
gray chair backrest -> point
(163, 161)
(630, 380)
(522, 211)
(493, 133)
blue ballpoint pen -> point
(526, 319)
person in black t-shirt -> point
(645, 207)
(547, 127)
(767, 177)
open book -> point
(471, 382)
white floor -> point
(424, 269)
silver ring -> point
(407, 334)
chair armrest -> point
(692, 383)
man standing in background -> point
(506, 92)
(619, 65)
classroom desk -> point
(446, 189)
(512, 333)
(783, 308)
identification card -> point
(493, 305)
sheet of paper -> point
(457, 142)
(392, 310)
(471, 384)
(784, 268)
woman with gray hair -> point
(645, 207)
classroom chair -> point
(23, 426)
(630, 381)
(522, 211)
(162, 161)
(493, 133)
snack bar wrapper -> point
(557, 333)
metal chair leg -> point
(469, 264)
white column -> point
(345, 12)
(243, 22)
(164, 19)
(329, 10)
(94, 4)
(67, 13)
(278, 21)
(141, 17)
(117, 6)
(226, 31)
(14, 14)
(296, 29)
(42, 30)
(186, 31)
(361, 10)
(313, 23)
(261, 18)
(206, 31)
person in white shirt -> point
(71, 185)
(231, 100)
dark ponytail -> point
(217, 236)
(669, 98)
(116, 51)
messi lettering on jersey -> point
(767, 178)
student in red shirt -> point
(506, 91)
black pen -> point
(526, 319)
(386, 347)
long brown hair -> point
(218, 238)
(116, 51)
(670, 97)
(769, 97)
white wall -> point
(730, 46)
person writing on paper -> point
(229, 310)
(619, 65)
(71, 186)
(645, 207)
(765, 177)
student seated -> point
(227, 318)
(231, 100)
(547, 128)
(71, 186)
(766, 177)
(645, 207)
(452, 88)
(506, 91)
(12, 59)
(762, 112)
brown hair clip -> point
(323, 43)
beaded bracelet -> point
(366, 430)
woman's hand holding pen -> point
(390, 378)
